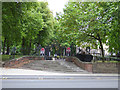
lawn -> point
(111, 61)
(9, 57)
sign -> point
(42, 51)
(68, 49)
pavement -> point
(55, 66)
(54, 74)
(49, 67)
(12, 71)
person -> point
(55, 55)
(79, 50)
(13, 52)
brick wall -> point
(95, 67)
(105, 67)
(21, 61)
(83, 65)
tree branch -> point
(93, 36)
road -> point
(59, 81)
(55, 74)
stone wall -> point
(95, 67)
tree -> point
(31, 24)
(10, 24)
(23, 22)
(45, 35)
(114, 30)
(87, 22)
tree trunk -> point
(8, 48)
(30, 47)
(101, 46)
(23, 43)
(4, 46)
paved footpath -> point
(56, 66)
(49, 67)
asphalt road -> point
(61, 81)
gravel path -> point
(58, 66)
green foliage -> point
(10, 18)
(8, 57)
(28, 24)
(94, 23)
(25, 24)
(47, 30)
(114, 31)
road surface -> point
(59, 81)
(55, 74)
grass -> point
(9, 57)
(108, 61)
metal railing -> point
(107, 58)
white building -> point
(95, 51)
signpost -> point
(68, 51)
(42, 51)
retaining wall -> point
(95, 67)
(21, 61)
